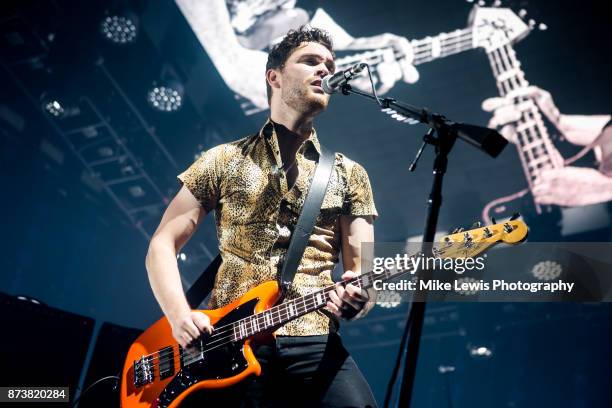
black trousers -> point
(297, 371)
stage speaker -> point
(109, 353)
(41, 346)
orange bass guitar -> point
(160, 373)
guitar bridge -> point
(143, 371)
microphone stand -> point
(447, 131)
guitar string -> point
(445, 51)
(388, 274)
(512, 83)
(524, 136)
(192, 355)
(498, 69)
(422, 50)
(259, 316)
(545, 147)
(301, 307)
(448, 46)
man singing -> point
(256, 186)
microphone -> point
(332, 83)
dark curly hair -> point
(280, 52)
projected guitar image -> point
(160, 373)
(235, 34)
(543, 166)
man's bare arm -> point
(177, 226)
(354, 231)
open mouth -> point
(317, 84)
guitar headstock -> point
(467, 244)
(494, 26)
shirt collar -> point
(267, 131)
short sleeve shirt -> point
(245, 185)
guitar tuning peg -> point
(542, 27)
(457, 230)
(531, 23)
(522, 13)
(515, 216)
(481, 3)
(497, 3)
(493, 221)
(475, 225)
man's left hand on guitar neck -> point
(565, 185)
(350, 301)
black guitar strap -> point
(308, 217)
(299, 239)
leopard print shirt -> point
(244, 183)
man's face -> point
(301, 78)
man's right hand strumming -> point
(188, 327)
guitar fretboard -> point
(294, 308)
(533, 142)
(425, 50)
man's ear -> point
(274, 78)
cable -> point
(373, 87)
(76, 401)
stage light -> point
(481, 352)
(54, 108)
(388, 299)
(547, 270)
(105, 152)
(466, 292)
(137, 191)
(445, 369)
(118, 29)
(166, 98)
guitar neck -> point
(294, 308)
(533, 142)
(442, 45)
(425, 50)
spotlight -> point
(480, 352)
(118, 29)
(547, 270)
(466, 292)
(166, 98)
(54, 108)
(388, 299)
(137, 191)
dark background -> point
(78, 246)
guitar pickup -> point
(166, 362)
